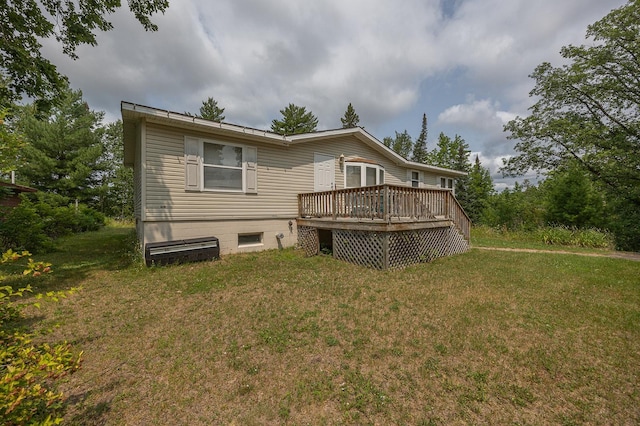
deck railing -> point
(385, 202)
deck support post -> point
(334, 206)
(385, 250)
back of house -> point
(197, 178)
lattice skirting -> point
(308, 240)
(383, 250)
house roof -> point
(132, 113)
(18, 188)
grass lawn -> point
(273, 338)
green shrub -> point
(32, 226)
(23, 229)
(29, 371)
(565, 236)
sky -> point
(463, 63)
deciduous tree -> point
(115, 193)
(295, 120)
(26, 22)
(451, 153)
(588, 111)
(401, 144)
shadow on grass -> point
(76, 257)
(92, 414)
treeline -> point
(76, 164)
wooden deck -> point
(394, 206)
(385, 225)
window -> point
(222, 167)
(415, 179)
(363, 174)
(447, 183)
(353, 176)
(247, 240)
(218, 166)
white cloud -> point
(256, 56)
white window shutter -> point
(191, 164)
(251, 162)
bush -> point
(565, 236)
(23, 229)
(33, 226)
(28, 371)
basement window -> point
(248, 240)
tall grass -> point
(544, 236)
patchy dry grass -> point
(274, 338)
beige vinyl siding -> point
(137, 175)
(283, 172)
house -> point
(254, 190)
(10, 194)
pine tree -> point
(420, 152)
(210, 111)
(64, 148)
(350, 119)
(295, 120)
(479, 190)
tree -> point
(64, 148)
(420, 152)
(520, 208)
(588, 111)
(479, 190)
(350, 119)
(115, 194)
(11, 145)
(572, 199)
(26, 22)
(451, 153)
(210, 111)
(295, 120)
(401, 144)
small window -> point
(381, 177)
(446, 183)
(245, 240)
(415, 179)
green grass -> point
(270, 338)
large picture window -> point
(219, 166)
(363, 174)
(222, 167)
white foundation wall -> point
(227, 232)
